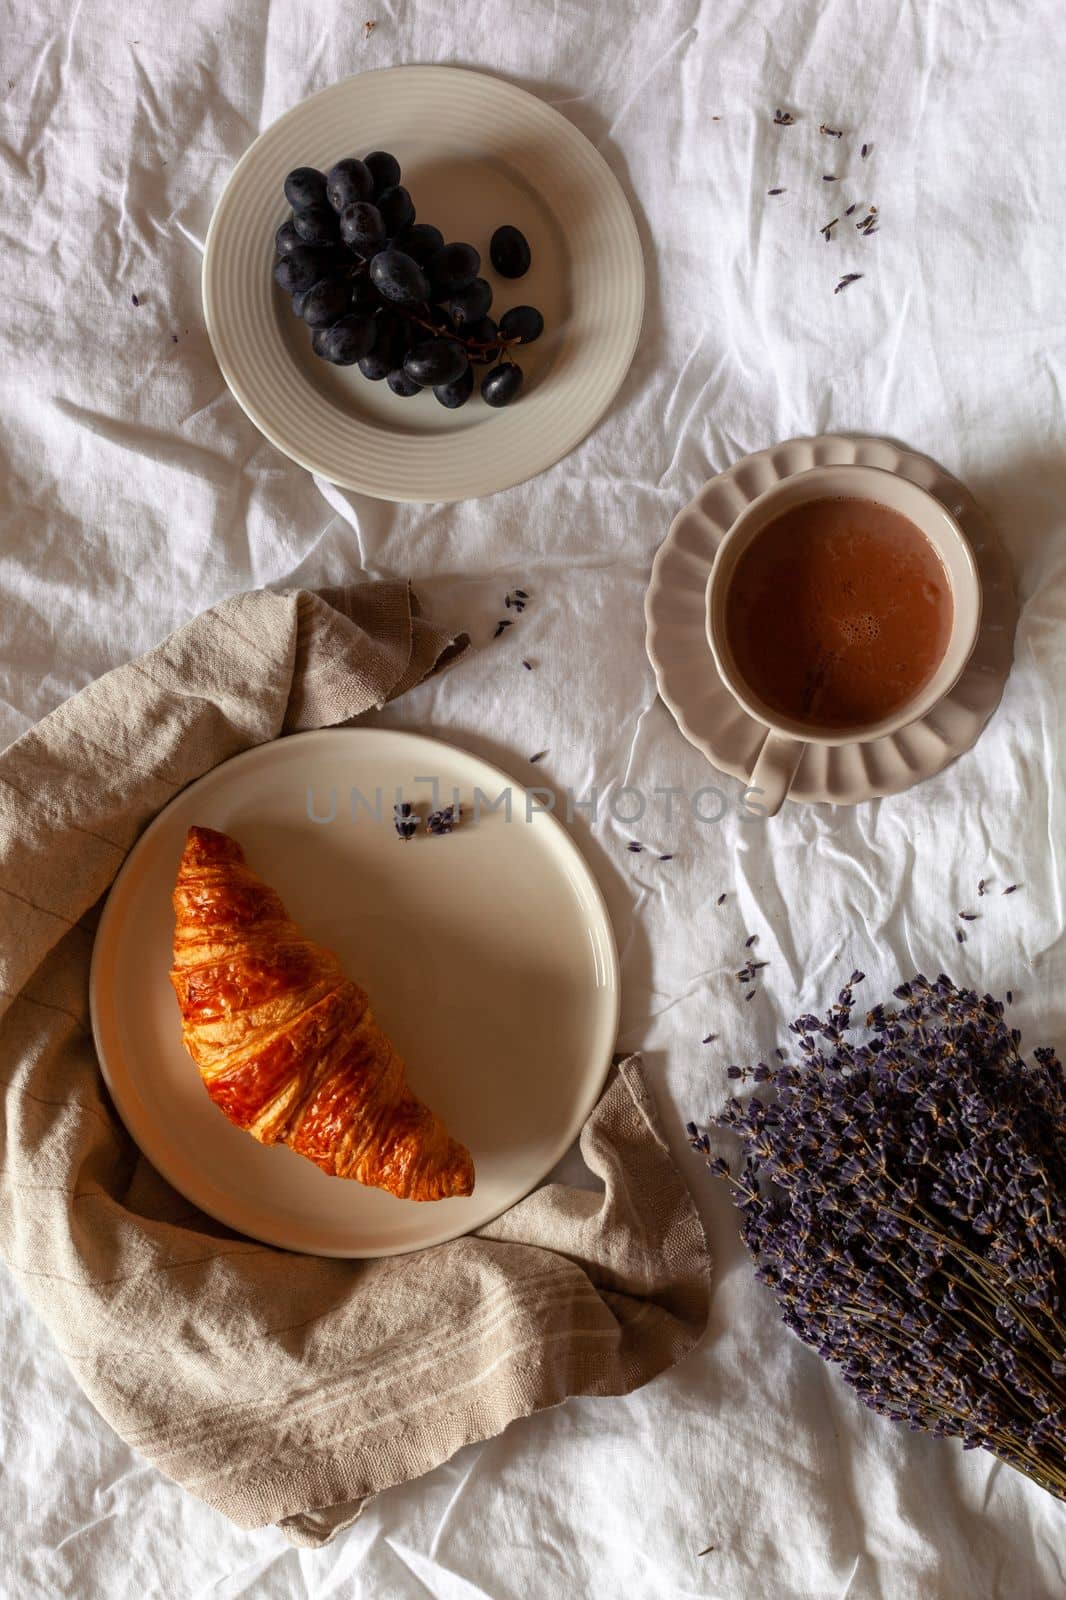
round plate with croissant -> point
(339, 1039)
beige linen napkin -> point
(280, 1387)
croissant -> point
(287, 1046)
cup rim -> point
(754, 517)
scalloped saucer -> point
(703, 708)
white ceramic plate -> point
(476, 152)
(487, 954)
(675, 610)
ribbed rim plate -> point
(476, 152)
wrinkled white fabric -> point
(136, 493)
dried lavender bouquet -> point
(904, 1199)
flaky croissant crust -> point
(287, 1046)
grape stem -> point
(474, 346)
(477, 346)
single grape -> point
(436, 361)
(347, 182)
(346, 341)
(325, 302)
(401, 333)
(509, 252)
(286, 238)
(458, 392)
(384, 169)
(305, 264)
(316, 224)
(522, 322)
(420, 241)
(396, 277)
(500, 386)
(397, 209)
(362, 228)
(392, 340)
(470, 304)
(453, 267)
(305, 186)
(401, 384)
(364, 296)
(482, 332)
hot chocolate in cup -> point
(842, 605)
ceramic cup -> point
(787, 739)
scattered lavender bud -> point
(443, 821)
(404, 821)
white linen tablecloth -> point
(135, 493)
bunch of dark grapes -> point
(385, 292)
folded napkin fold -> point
(279, 1387)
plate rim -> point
(583, 1105)
(488, 482)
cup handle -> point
(775, 770)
